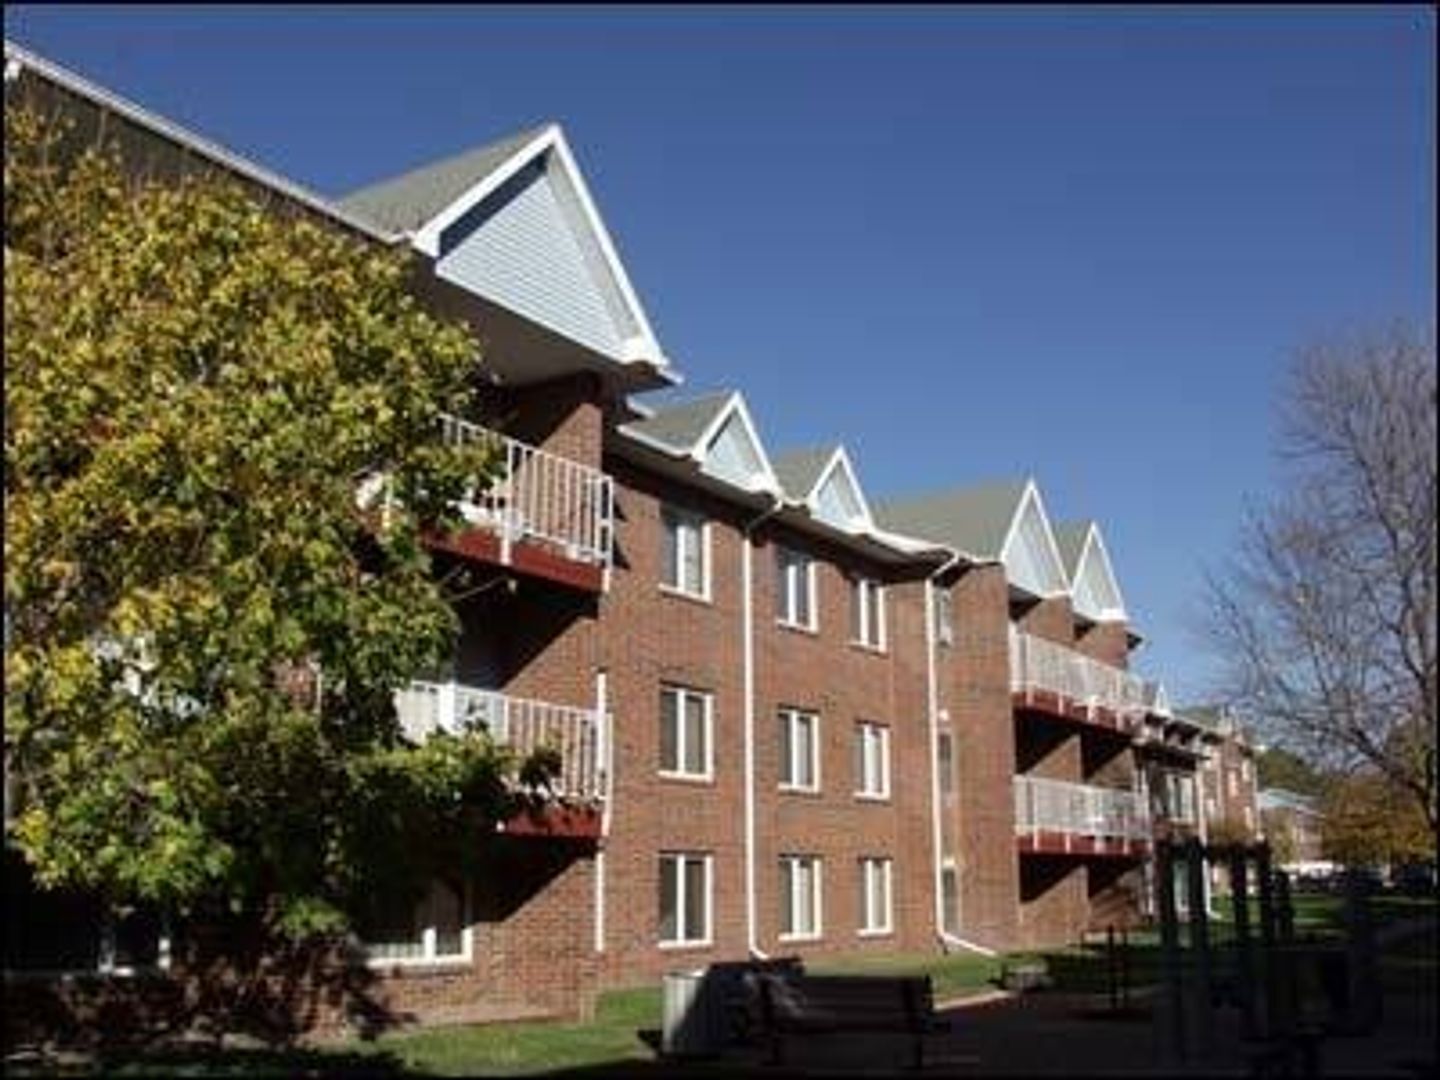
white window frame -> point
(868, 596)
(699, 530)
(428, 939)
(679, 859)
(788, 561)
(1232, 784)
(876, 737)
(792, 718)
(684, 694)
(944, 616)
(870, 866)
(789, 865)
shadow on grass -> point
(212, 1061)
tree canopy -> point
(194, 386)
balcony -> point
(581, 736)
(1058, 817)
(543, 514)
(1049, 677)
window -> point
(794, 588)
(945, 751)
(944, 617)
(799, 897)
(684, 899)
(1232, 783)
(1245, 769)
(430, 930)
(799, 750)
(686, 553)
(872, 761)
(867, 613)
(686, 722)
(875, 896)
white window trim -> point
(787, 620)
(708, 861)
(791, 716)
(427, 938)
(864, 588)
(886, 867)
(789, 862)
(703, 523)
(708, 700)
(882, 792)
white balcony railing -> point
(580, 735)
(537, 495)
(1059, 806)
(1040, 665)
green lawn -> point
(516, 1049)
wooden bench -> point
(841, 1004)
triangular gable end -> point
(1030, 554)
(837, 499)
(527, 236)
(1095, 592)
(730, 450)
(1161, 704)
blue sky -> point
(969, 243)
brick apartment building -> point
(792, 720)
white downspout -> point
(933, 702)
(747, 641)
(607, 757)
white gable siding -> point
(837, 503)
(732, 455)
(1095, 592)
(1029, 557)
(520, 248)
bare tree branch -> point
(1326, 614)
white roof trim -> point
(840, 460)
(17, 58)
(735, 407)
(1032, 492)
(641, 348)
(1095, 543)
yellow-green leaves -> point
(193, 386)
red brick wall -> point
(974, 688)
(651, 636)
(1107, 642)
(531, 958)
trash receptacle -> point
(692, 1015)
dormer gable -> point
(514, 223)
(837, 498)
(1094, 591)
(730, 449)
(1030, 554)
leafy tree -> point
(1327, 616)
(1229, 830)
(1280, 768)
(1368, 822)
(194, 385)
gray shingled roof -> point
(798, 470)
(974, 520)
(680, 426)
(1070, 539)
(405, 202)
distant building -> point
(1291, 822)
